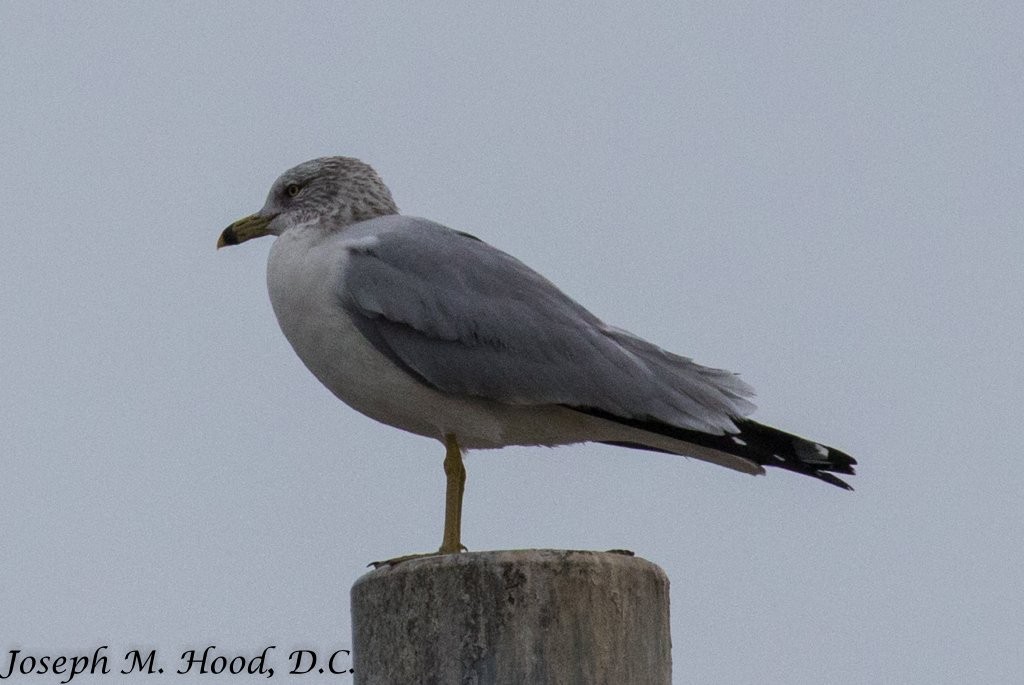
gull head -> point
(335, 191)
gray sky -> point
(824, 199)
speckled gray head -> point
(341, 189)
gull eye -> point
(292, 189)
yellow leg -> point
(455, 473)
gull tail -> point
(755, 443)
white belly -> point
(303, 273)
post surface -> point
(525, 616)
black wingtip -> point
(761, 444)
(832, 480)
(783, 450)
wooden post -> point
(526, 616)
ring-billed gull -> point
(436, 332)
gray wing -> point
(468, 319)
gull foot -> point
(398, 560)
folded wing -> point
(468, 319)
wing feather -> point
(468, 319)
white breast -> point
(303, 275)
